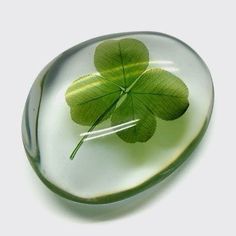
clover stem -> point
(82, 141)
(100, 118)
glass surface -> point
(106, 168)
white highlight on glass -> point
(165, 65)
(107, 131)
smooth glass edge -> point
(41, 78)
(118, 196)
(85, 43)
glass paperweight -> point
(116, 114)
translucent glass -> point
(107, 169)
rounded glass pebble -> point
(106, 168)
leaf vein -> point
(159, 94)
(93, 99)
(135, 127)
(122, 64)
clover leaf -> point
(121, 61)
(126, 91)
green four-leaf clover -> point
(125, 90)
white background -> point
(198, 199)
